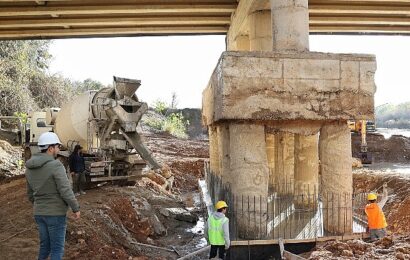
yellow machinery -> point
(362, 127)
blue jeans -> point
(52, 236)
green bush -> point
(153, 122)
(175, 124)
(160, 107)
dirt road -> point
(115, 219)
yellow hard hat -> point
(221, 204)
(371, 196)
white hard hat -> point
(46, 139)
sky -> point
(184, 64)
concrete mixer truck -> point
(104, 123)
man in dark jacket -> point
(49, 190)
(77, 169)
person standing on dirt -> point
(217, 231)
(375, 216)
(77, 169)
(49, 190)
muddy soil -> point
(395, 149)
(116, 221)
(397, 208)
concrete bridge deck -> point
(30, 19)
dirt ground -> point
(397, 208)
(114, 220)
(121, 222)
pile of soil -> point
(387, 248)
(396, 149)
(186, 158)
(397, 207)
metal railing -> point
(284, 214)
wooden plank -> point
(118, 9)
(299, 241)
(113, 21)
(290, 256)
(112, 178)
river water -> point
(388, 132)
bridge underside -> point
(22, 19)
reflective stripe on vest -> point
(215, 230)
(375, 216)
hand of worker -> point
(76, 215)
(226, 247)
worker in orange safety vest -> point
(375, 216)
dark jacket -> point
(48, 187)
(76, 163)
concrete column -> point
(242, 43)
(250, 176)
(285, 162)
(271, 156)
(290, 25)
(213, 150)
(223, 149)
(260, 31)
(336, 177)
(306, 170)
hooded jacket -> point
(48, 187)
(225, 227)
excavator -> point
(362, 127)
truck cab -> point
(36, 125)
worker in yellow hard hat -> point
(217, 231)
(375, 216)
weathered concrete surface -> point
(267, 86)
(290, 25)
(249, 175)
(280, 154)
(336, 175)
(213, 151)
(223, 149)
(248, 160)
(271, 156)
(242, 43)
(260, 31)
(306, 170)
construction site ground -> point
(131, 222)
(117, 222)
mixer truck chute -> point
(105, 123)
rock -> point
(165, 212)
(81, 241)
(356, 163)
(166, 171)
(187, 217)
(400, 256)
(150, 241)
(347, 253)
(159, 229)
